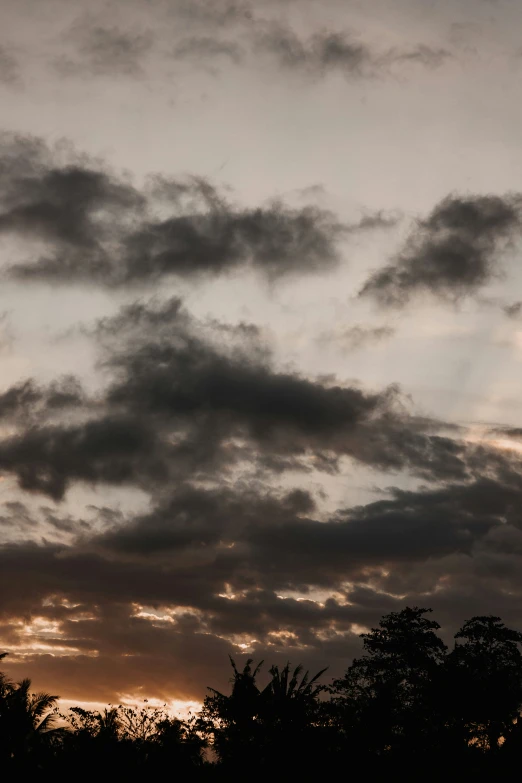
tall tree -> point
(392, 687)
(232, 721)
(484, 674)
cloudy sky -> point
(260, 331)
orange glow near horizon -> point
(176, 708)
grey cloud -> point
(454, 252)
(247, 539)
(355, 337)
(376, 220)
(329, 51)
(69, 207)
(275, 240)
(186, 399)
(192, 519)
(95, 227)
(217, 13)
(513, 310)
(422, 54)
(507, 432)
(17, 517)
(28, 400)
(207, 48)
(277, 545)
(201, 546)
(9, 68)
(114, 450)
(321, 53)
(179, 375)
(106, 51)
(194, 378)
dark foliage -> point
(406, 708)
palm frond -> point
(257, 669)
(46, 724)
(41, 702)
(316, 676)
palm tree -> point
(233, 721)
(253, 723)
(292, 716)
(5, 689)
(28, 722)
(109, 723)
(243, 702)
(282, 687)
(5, 683)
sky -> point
(260, 332)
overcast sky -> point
(260, 331)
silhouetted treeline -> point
(408, 708)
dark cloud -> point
(187, 376)
(409, 526)
(194, 519)
(423, 55)
(321, 53)
(274, 542)
(27, 401)
(217, 13)
(206, 48)
(15, 516)
(106, 51)
(205, 569)
(355, 337)
(168, 369)
(177, 406)
(338, 51)
(276, 240)
(73, 209)
(95, 227)
(110, 450)
(513, 310)
(507, 432)
(452, 253)
(191, 400)
(376, 220)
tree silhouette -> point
(232, 722)
(484, 675)
(250, 720)
(391, 688)
(286, 690)
(405, 709)
(5, 690)
(28, 728)
(127, 738)
(292, 717)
